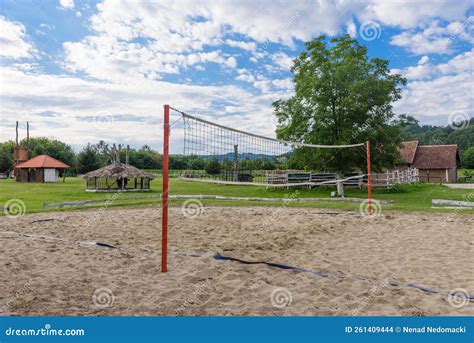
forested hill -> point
(428, 135)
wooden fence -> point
(311, 179)
(350, 180)
(388, 179)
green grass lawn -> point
(415, 197)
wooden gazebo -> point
(118, 177)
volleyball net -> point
(219, 154)
(214, 153)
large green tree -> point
(341, 97)
(88, 159)
(52, 147)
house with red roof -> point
(436, 163)
(42, 168)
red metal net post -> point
(369, 181)
(164, 215)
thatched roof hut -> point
(118, 177)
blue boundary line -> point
(392, 283)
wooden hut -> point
(42, 168)
(118, 177)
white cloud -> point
(352, 29)
(153, 38)
(423, 69)
(249, 46)
(231, 62)
(412, 13)
(423, 60)
(285, 84)
(426, 70)
(446, 88)
(419, 43)
(263, 85)
(12, 39)
(136, 107)
(434, 39)
(282, 60)
(459, 64)
(103, 58)
(245, 75)
(66, 4)
(438, 97)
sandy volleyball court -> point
(364, 264)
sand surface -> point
(358, 259)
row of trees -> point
(215, 164)
(91, 157)
(94, 156)
(428, 134)
(37, 146)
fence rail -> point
(351, 180)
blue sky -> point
(81, 71)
